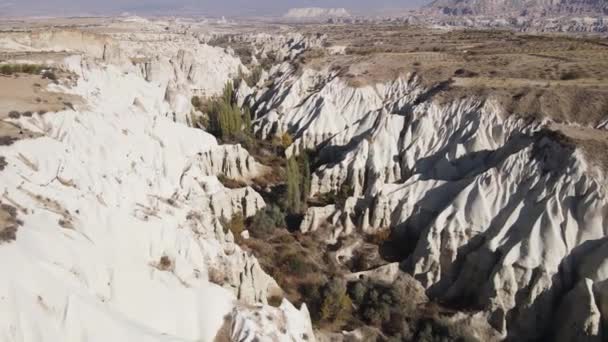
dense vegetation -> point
(222, 117)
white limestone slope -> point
(493, 212)
(120, 238)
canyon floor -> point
(190, 180)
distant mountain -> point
(520, 7)
(316, 12)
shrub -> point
(336, 306)
(286, 140)
(10, 69)
(49, 75)
(336, 197)
(296, 263)
(376, 303)
(436, 330)
(569, 75)
(165, 263)
(275, 301)
(236, 224)
(266, 221)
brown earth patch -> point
(9, 223)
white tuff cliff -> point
(118, 208)
(491, 211)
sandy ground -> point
(23, 95)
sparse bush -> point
(266, 221)
(336, 197)
(435, 330)
(464, 73)
(286, 140)
(275, 301)
(11, 69)
(236, 225)
(165, 263)
(49, 75)
(336, 306)
(376, 303)
(569, 75)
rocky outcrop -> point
(488, 209)
(119, 207)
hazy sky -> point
(211, 7)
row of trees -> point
(229, 123)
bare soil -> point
(557, 76)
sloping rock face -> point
(488, 211)
(118, 208)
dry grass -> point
(293, 260)
(231, 183)
(555, 76)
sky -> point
(204, 7)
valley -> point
(175, 179)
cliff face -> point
(495, 213)
(118, 205)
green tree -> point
(247, 118)
(294, 194)
(336, 306)
(304, 162)
(225, 117)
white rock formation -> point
(119, 206)
(490, 208)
